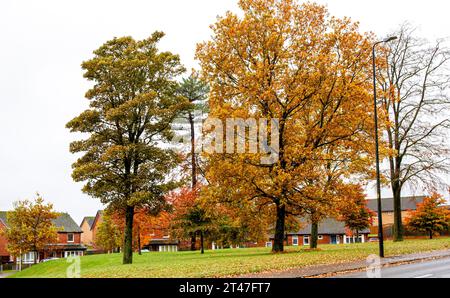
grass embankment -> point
(219, 263)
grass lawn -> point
(229, 262)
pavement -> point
(425, 269)
(346, 268)
(6, 274)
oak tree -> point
(296, 64)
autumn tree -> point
(145, 224)
(354, 211)
(132, 104)
(30, 227)
(307, 70)
(415, 103)
(109, 236)
(430, 216)
(190, 217)
(324, 196)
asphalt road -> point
(428, 269)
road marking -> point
(424, 276)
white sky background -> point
(41, 86)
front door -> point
(333, 239)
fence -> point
(13, 267)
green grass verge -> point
(229, 262)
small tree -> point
(189, 217)
(355, 213)
(30, 227)
(430, 216)
(108, 236)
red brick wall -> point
(3, 243)
(326, 239)
(62, 238)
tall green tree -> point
(132, 104)
(195, 91)
(30, 227)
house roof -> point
(63, 222)
(89, 220)
(387, 204)
(96, 218)
(3, 217)
(328, 226)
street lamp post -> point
(377, 156)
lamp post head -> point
(390, 39)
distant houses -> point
(74, 240)
(86, 227)
(330, 231)
(387, 207)
(69, 241)
(4, 254)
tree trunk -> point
(139, 240)
(128, 238)
(357, 236)
(431, 234)
(193, 240)
(314, 235)
(398, 225)
(193, 162)
(35, 256)
(202, 242)
(278, 242)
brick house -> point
(86, 227)
(98, 219)
(331, 231)
(4, 254)
(68, 240)
(387, 207)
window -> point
(269, 244)
(305, 240)
(353, 239)
(168, 248)
(27, 258)
(320, 237)
(73, 254)
(70, 237)
(295, 240)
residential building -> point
(4, 254)
(98, 219)
(86, 227)
(387, 206)
(68, 240)
(330, 231)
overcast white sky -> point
(41, 86)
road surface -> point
(427, 269)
